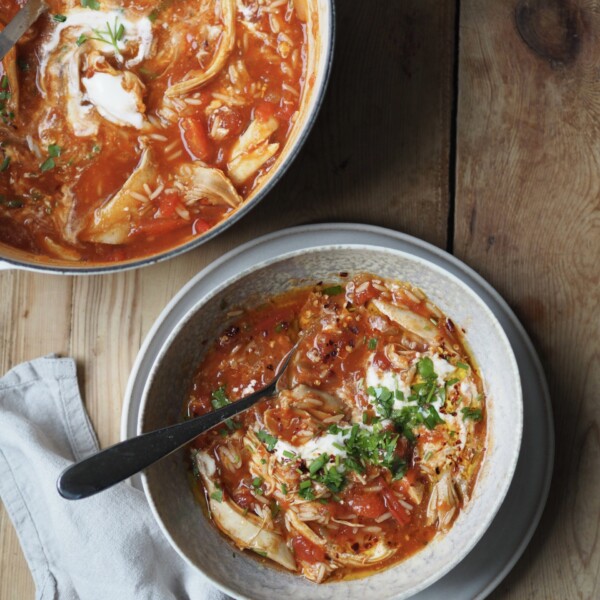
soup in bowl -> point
(387, 451)
(132, 131)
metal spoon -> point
(19, 24)
(113, 465)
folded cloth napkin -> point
(105, 547)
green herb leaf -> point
(384, 401)
(318, 463)
(425, 368)
(153, 16)
(372, 343)
(305, 490)
(93, 4)
(334, 290)
(256, 483)
(54, 150)
(219, 398)
(82, 39)
(289, 454)
(284, 488)
(59, 18)
(474, 414)
(462, 365)
(267, 439)
(5, 163)
(47, 165)
(433, 418)
(217, 495)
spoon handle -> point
(110, 466)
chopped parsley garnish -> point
(93, 4)
(267, 439)
(333, 428)
(384, 400)
(451, 382)
(7, 116)
(318, 464)
(474, 414)
(5, 163)
(289, 454)
(217, 495)
(54, 150)
(47, 165)
(406, 420)
(59, 18)
(334, 290)
(372, 343)
(82, 39)
(425, 368)
(462, 365)
(332, 479)
(433, 418)
(256, 483)
(284, 489)
(218, 400)
(305, 490)
(153, 16)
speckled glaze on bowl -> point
(167, 486)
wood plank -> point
(527, 219)
(35, 317)
(379, 153)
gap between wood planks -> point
(452, 158)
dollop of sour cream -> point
(330, 444)
(112, 101)
(89, 23)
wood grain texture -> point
(379, 153)
(528, 184)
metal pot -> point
(321, 41)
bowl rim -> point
(145, 261)
(499, 330)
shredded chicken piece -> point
(195, 79)
(201, 182)
(252, 150)
(111, 223)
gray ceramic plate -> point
(495, 554)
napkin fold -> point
(104, 547)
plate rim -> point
(382, 235)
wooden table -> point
(472, 124)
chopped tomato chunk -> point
(168, 203)
(306, 551)
(195, 138)
(366, 504)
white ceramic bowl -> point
(167, 486)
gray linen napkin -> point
(105, 547)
